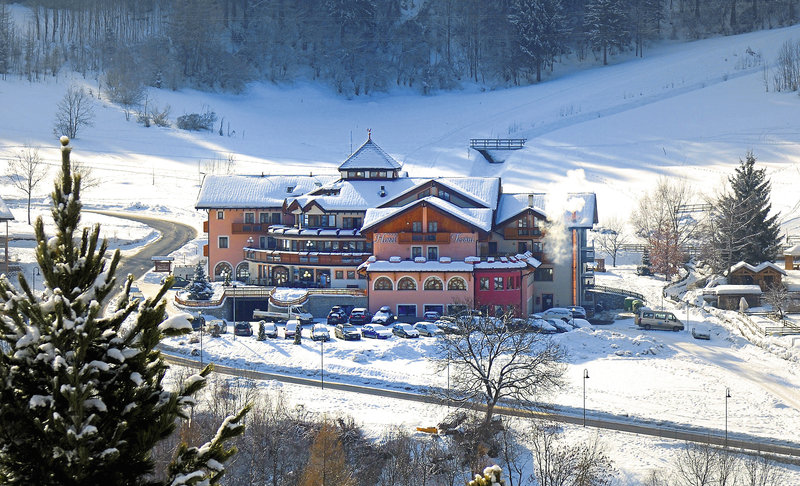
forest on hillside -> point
(356, 46)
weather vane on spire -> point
(369, 134)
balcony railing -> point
(440, 238)
(249, 228)
(305, 258)
(524, 233)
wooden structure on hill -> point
(485, 145)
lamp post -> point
(585, 377)
(202, 326)
(727, 396)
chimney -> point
(530, 200)
(382, 192)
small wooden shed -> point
(766, 275)
(728, 296)
(791, 258)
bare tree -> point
(662, 220)
(695, 465)
(75, 111)
(760, 471)
(490, 362)
(88, 179)
(25, 171)
(777, 297)
(560, 464)
(610, 237)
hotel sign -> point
(462, 238)
(385, 238)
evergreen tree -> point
(81, 391)
(605, 24)
(745, 231)
(199, 288)
(540, 30)
(262, 332)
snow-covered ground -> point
(686, 110)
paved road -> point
(703, 436)
(173, 236)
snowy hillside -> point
(686, 110)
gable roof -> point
(512, 205)
(355, 195)
(251, 191)
(5, 213)
(480, 218)
(757, 268)
(483, 191)
(370, 156)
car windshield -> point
(348, 329)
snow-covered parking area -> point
(652, 376)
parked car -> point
(359, 316)
(431, 315)
(577, 311)
(216, 326)
(290, 329)
(320, 333)
(448, 326)
(384, 316)
(337, 315)
(557, 313)
(376, 331)
(650, 319)
(701, 331)
(242, 328)
(425, 328)
(346, 332)
(270, 329)
(561, 325)
(405, 331)
(545, 326)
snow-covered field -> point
(686, 110)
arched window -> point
(383, 283)
(406, 283)
(433, 283)
(243, 272)
(456, 283)
(280, 275)
(221, 269)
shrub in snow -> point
(196, 121)
(492, 476)
(81, 392)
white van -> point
(650, 319)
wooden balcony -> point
(513, 233)
(439, 238)
(249, 228)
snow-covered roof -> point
(395, 264)
(484, 189)
(518, 261)
(581, 210)
(370, 156)
(735, 290)
(513, 204)
(757, 268)
(251, 191)
(413, 266)
(292, 231)
(794, 250)
(479, 217)
(356, 195)
(5, 213)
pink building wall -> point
(459, 246)
(224, 227)
(419, 297)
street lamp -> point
(727, 396)
(585, 377)
(322, 362)
(202, 325)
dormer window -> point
(289, 189)
(444, 195)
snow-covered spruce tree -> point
(81, 390)
(199, 287)
(262, 332)
(744, 228)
